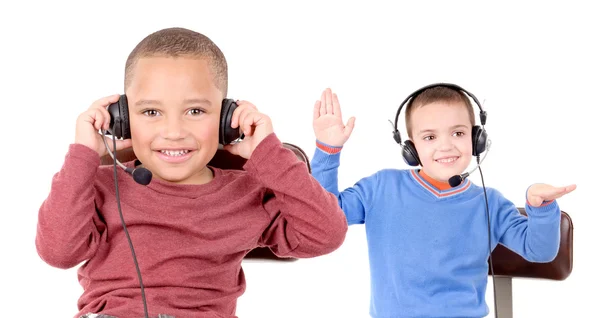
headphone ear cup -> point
(226, 133)
(119, 118)
(410, 155)
(125, 128)
(479, 139)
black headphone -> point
(478, 134)
(119, 121)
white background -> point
(535, 65)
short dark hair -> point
(176, 42)
(437, 94)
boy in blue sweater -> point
(428, 241)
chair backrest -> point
(509, 264)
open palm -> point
(327, 120)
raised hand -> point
(538, 193)
(327, 121)
(255, 126)
(90, 122)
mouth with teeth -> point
(174, 156)
(174, 153)
(446, 160)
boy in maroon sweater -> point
(193, 224)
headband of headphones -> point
(482, 114)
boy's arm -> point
(331, 135)
(67, 229)
(536, 237)
(353, 200)
(306, 219)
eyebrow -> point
(433, 130)
(195, 101)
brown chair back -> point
(509, 264)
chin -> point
(175, 178)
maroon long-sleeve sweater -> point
(189, 239)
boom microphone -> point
(456, 180)
(142, 176)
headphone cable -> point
(487, 209)
(137, 267)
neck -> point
(205, 175)
(202, 177)
(440, 185)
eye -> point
(429, 137)
(196, 111)
(459, 134)
(150, 112)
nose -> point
(174, 128)
(445, 143)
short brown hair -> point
(437, 94)
(176, 42)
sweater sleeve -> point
(354, 201)
(305, 219)
(68, 227)
(536, 237)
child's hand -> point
(327, 121)
(538, 193)
(91, 121)
(255, 126)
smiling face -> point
(441, 132)
(174, 112)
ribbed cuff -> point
(328, 149)
(548, 212)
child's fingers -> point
(316, 110)
(246, 121)
(234, 149)
(328, 102)
(235, 117)
(349, 126)
(549, 194)
(337, 110)
(101, 115)
(250, 122)
(105, 101)
(559, 192)
(105, 117)
(570, 188)
(99, 119)
(243, 106)
(322, 109)
(123, 144)
(243, 117)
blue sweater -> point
(428, 249)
